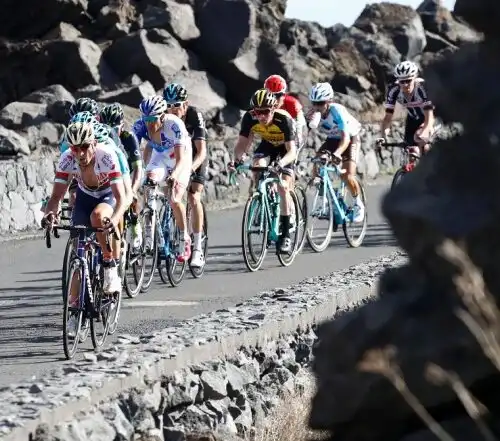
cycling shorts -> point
(273, 152)
(350, 154)
(199, 176)
(85, 205)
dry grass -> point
(288, 421)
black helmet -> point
(112, 114)
(84, 105)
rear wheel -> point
(254, 222)
(286, 259)
(151, 257)
(397, 177)
(356, 239)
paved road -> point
(30, 299)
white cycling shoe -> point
(112, 282)
(197, 259)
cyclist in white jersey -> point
(342, 131)
(100, 199)
(409, 91)
(171, 160)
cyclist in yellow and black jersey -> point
(276, 128)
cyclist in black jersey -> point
(113, 116)
(409, 91)
(176, 97)
(276, 128)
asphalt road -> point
(31, 305)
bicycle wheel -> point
(321, 209)
(397, 177)
(198, 272)
(284, 258)
(153, 254)
(175, 269)
(300, 193)
(134, 268)
(102, 308)
(68, 252)
(352, 240)
(254, 220)
(75, 277)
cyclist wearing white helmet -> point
(342, 141)
(171, 160)
(100, 199)
(409, 91)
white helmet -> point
(406, 69)
(321, 92)
(153, 106)
(80, 133)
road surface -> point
(31, 305)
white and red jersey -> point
(106, 169)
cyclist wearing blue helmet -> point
(176, 97)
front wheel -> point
(254, 222)
(353, 239)
(397, 177)
(302, 198)
(152, 254)
(318, 237)
(296, 224)
(73, 315)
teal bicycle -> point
(261, 216)
(329, 203)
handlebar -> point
(80, 229)
(401, 144)
(327, 159)
(241, 167)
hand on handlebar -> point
(110, 224)
(233, 165)
(48, 220)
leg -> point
(179, 211)
(349, 163)
(285, 209)
(329, 146)
(263, 151)
(194, 197)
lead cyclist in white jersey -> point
(171, 160)
(100, 199)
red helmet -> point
(275, 84)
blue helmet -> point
(101, 132)
(83, 117)
(175, 93)
(153, 106)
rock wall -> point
(422, 361)
(221, 372)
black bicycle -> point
(409, 159)
(85, 275)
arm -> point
(246, 136)
(147, 153)
(118, 190)
(289, 131)
(386, 123)
(390, 105)
(199, 137)
(131, 145)
(345, 139)
(58, 191)
(180, 159)
(201, 153)
(61, 182)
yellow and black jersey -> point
(280, 130)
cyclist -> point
(343, 142)
(286, 101)
(176, 97)
(112, 115)
(276, 129)
(409, 91)
(170, 160)
(100, 200)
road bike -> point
(94, 308)
(262, 216)
(409, 159)
(329, 203)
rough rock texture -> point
(193, 376)
(424, 357)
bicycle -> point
(93, 306)
(333, 206)
(197, 272)
(408, 161)
(262, 213)
(166, 236)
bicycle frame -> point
(340, 213)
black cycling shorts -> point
(200, 175)
(273, 152)
(411, 127)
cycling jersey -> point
(130, 145)
(195, 124)
(280, 130)
(416, 103)
(339, 120)
(292, 106)
(106, 169)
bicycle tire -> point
(102, 313)
(356, 243)
(397, 177)
(131, 265)
(70, 349)
(244, 236)
(301, 196)
(171, 263)
(147, 281)
(198, 272)
(323, 246)
(66, 259)
(286, 259)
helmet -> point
(263, 98)
(175, 93)
(321, 92)
(83, 105)
(112, 114)
(101, 132)
(80, 133)
(275, 84)
(83, 117)
(153, 106)
(406, 69)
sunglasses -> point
(278, 95)
(150, 119)
(261, 111)
(318, 103)
(405, 81)
(76, 148)
(174, 105)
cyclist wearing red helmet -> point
(277, 85)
